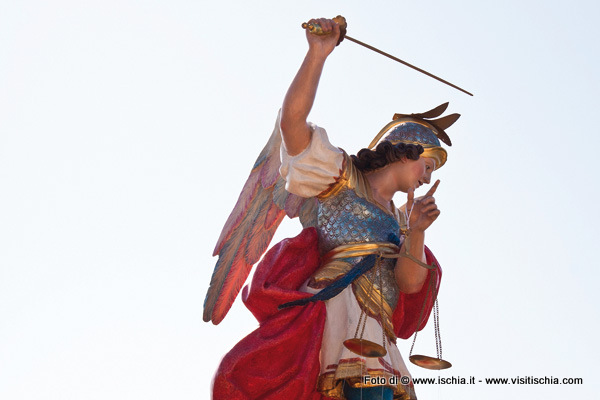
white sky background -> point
(127, 130)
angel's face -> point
(413, 173)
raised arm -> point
(300, 96)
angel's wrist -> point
(414, 231)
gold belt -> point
(361, 249)
(368, 296)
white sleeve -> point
(311, 172)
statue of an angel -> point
(341, 281)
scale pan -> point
(365, 348)
(429, 362)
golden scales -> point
(367, 348)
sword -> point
(341, 21)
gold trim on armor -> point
(370, 299)
(352, 178)
(329, 273)
(340, 182)
(360, 249)
(333, 267)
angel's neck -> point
(380, 190)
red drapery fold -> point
(280, 359)
(407, 312)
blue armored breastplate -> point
(347, 218)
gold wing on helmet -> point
(440, 124)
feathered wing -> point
(261, 207)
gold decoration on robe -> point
(369, 297)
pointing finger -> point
(433, 188)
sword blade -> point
(383, 53)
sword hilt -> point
(316, 29)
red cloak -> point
(280, 359)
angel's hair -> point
(385, 153)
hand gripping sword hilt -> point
(316, 29)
